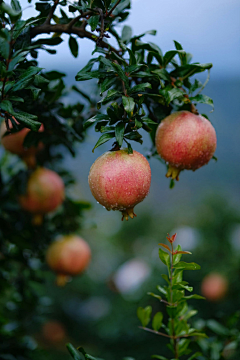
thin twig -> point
(74, 20)
(50, 15)
(156, 332)
(102, 26)
(113, 8)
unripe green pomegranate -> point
(185, 141)
(214, 287)
(69, 255)
(45, 192)
(14, 144)
(119, 180)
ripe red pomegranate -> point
(53, 331)
(119, 180)
(185, 141)
(70, 255)
(45, 192)
(14, 144)
(214, 287)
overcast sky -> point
(209, 29)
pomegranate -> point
(70, 255)
(214, 287)
(45, 192)
(53, 331)
(14, 144)
(119, 180)
(185, 141)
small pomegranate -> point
(119, 180)
(185, 141)
(214, 287)
(14, 144)
(45, 192)
(69, 255)
(53, 332)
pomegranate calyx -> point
(128, 212)
(62, 280)
(173, 172)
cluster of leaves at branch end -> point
(173, 295)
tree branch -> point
(74, 20)
(50, 15)
(64, 28)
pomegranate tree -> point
(214, 287)
(44, 193)
(68, 256)
(185, 141)
(119, 180)
(14, 144)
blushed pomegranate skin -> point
(214, 287)
(185, 141)
(119, 180)
(45, 192)
(14, 142)
(70, 255)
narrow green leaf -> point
(170, 55)
(76, 355)
(155, 296)
(119, 132)
(177, 257)
(144, 315)
(126, 34)
(93, 22)
(187, 266)
(202, 99)
(134, 135)
(73, 45)
(217, 328)
(122, 75)
(15, 5)
(159, 357)
(194, 356)
(195, 296)
(140, 88)
(164, 257)
(128, 104)
(104, 138)
(95, 118)
(157, 321)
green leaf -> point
(202, 99)
(194, 356)
(75, 88)
(217, 328)
(194, 296)
(93, 22)
(14, 15)
(186, 287)
(159, 357)
(106, 84)
(165, 277)
(73, 45)
(170, 55)
(177, 257)
(128, 104)
(6, 105)
(162, 74)
(144, 315)
(126, 34)
(138, 124)
(16, 6)
(149, 121)
(130, 150)
(53, 41)
(164, 257)
(119, 132)
(15, 98)
(4, 48)
(190, 69)
(121, 6)
(95, 118)
(140, 88)
(122, 75)
(104, 138)
(187, 266)
(157, 321)
(27, 120)
(155, 296)
(134, 135)
(76, 355)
